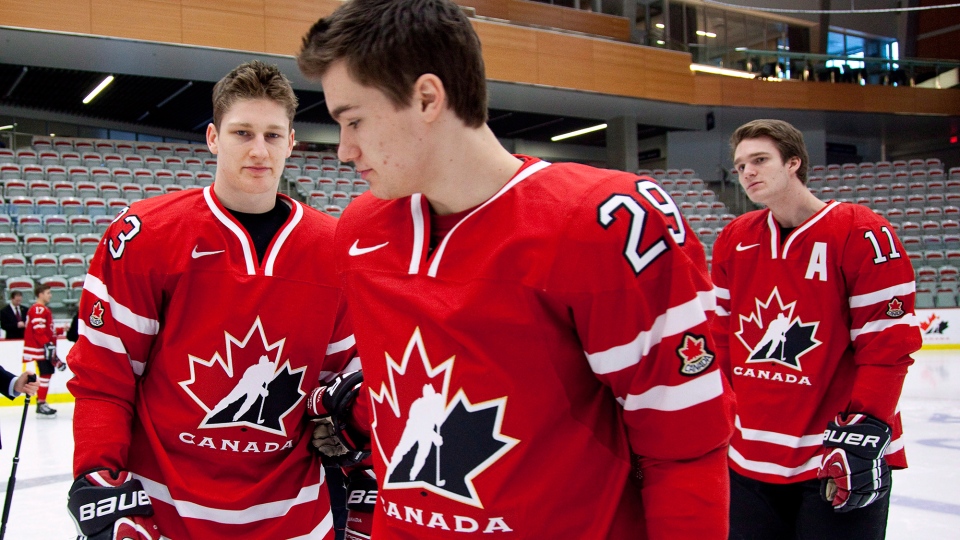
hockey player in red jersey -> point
(815, 329)
(40, 346)
(526, 326)
(191, 375)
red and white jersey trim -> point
(765, 467)
(878, 326)
(239, 233)
(253, 514)
(341, 345)
(805, 226)
(416, 210)
(282, 237)
(120, 312)
(674, 321)
(883, 295)
(675, 398)
(781, 439)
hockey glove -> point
(50, 353)
(329, 407)
(853, 472)
(109, 505)
(361, 501)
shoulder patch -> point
(895, 308)
(96, 315)
(694, 355)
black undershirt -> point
(263, 227)
(784, 233)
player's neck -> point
(795, 205)
(234, 199)
(469, 167)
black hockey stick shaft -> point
(13, 472)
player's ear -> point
(793, 164)
(429, 96)
(291, 142)
(212, 136)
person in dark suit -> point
(12, 385)
(13, 316)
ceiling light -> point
(103, 84)
(583, 131)
(53, 134)
(661, 26)
(661, 42)
(706, 34)
(8, 126)
(722, 71)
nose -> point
(347, 150)
(259, 147)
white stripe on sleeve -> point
(883, 295)
(341, 345)
(675, 398)
(121, 313)
(781, 439)
(879, 326)
(766, 467)
(676, 320)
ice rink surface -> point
(925, 504)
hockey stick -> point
(16, 460)
(260, 418)
(440, 482)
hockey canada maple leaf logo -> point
(247, 388)
(772, 334)
(96, 315)
(934, 325)
(417, 425)
(694, 354)
(895, 308)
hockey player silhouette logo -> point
(772, 334)
(250, 388)
(429, 440)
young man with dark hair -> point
(534, 336)
(815, 329)
(40, 346)
(13, 317)
(189, 382)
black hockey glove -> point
(853, 472)
(50, 354)
(329, 407)
(110, 505)
(361, 501)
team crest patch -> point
(895, 309)
(694, 354)
(96, 315)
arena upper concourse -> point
(652, 86)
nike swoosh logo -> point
(355, 249)
(197, 254)
(741, 247)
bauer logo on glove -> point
(854, 473)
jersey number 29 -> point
(659, 199)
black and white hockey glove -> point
(853, 472)
(50, 354)
(110, 505)
(329, 407)
(361, 502)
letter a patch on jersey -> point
(429, 440)
(772, 334)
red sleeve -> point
(118, 321)
(883, 328)
(720, 327)
(634, 278)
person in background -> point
(13, 317)
(814, 328)
(40, 346)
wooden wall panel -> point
(60, 15)
(248, 7)
(302, 10)
(225, 29)
(138, 19)
(509, 52)
(597, 23)
(564, 61)
(488, 8)
(535, 13)
(284, 36)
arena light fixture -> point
(8, 126)
(704, 68)
(578, 132)
(96, 91)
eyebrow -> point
(249, 125)
(336, 112)
(750, 156)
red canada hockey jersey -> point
(37, 332)
(511, 371)
(194, 360)
(810, 326)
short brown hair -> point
(42, 287)
(787, 139)
(253, 80)
(389, 44)
(14, 294)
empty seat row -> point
(44, 265)
(54, 224)
(63, 144)
(294, 170)
(41, 243)
(306, 185)
(129, 190)
(880, 166)
(663, 175)
(64, 291)
(50, 158)
(870, 183)
(29, 174)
